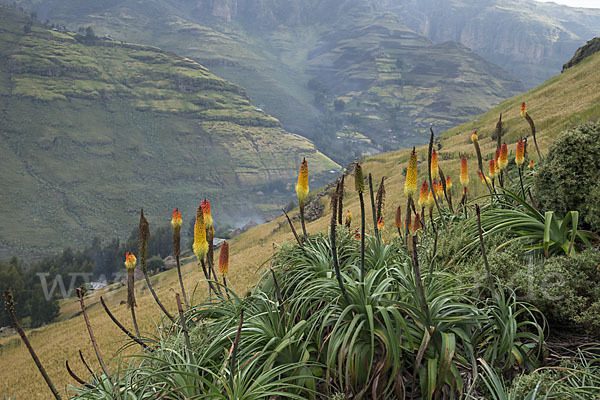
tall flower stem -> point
(186, 335)
(359, 185)
(433, 191)
(447, 192)
(116, 321)
(292, 228)
(236, 343)
(91, 333)
(521, 181)
(176, 222)
(483, 252)
(334, 255)
(304, 234)
(10, 309)
(143, 237)
(418, 280)
(341, 201)
(373, 211)
(480, 161)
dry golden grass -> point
(563, 101)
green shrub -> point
(567, 179)
(565, 289)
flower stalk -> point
(10, 309)
(359, 185)
(143, 238)
(176, 223)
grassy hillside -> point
(296, 58)
(563, 101)
(92, 130)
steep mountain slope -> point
(286, 52)
(564, 100)
(92, 130)
(529, 39)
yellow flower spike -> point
(224, 259)
(448, 183)
(484, 178)
(523, 110)
(503, 159)
(464, 172)
(410, 186)
(200, 246)
(348, 221)
(205, 206)
(302, 185)
(176, 221)
(424, 195)
(130, 261)
(359, 179)
(435, 172)
(474, 137)
(520, 155)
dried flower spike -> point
(224, 259)
(398, 219)
(359, 179)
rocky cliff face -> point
(591, 47)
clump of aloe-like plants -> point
(348, 314)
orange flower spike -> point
(448, 183)
(435, 172)
(417, 224)
(520, 156)
(531, 164)
(503, 159)
(302, 185)
(523, 110)
(205, 205)
(424, 195)
(410, 186)
(464, 172)
(130, 261)
(176, 221)
(200, 246)
(492, 171)
(398, 220)
(409, 221)
(380, 224)
(224, 259)
(440, 190)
